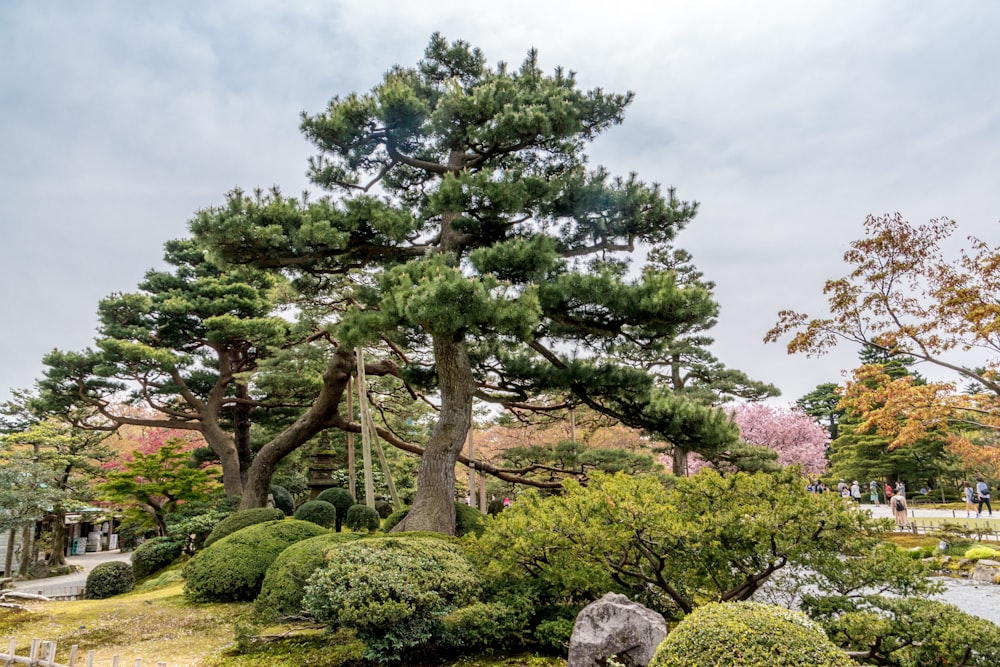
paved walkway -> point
(70, 584)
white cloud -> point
(789, 121)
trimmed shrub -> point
(233, 568)
(749, 634)
(341, 499)
(486, 625)
(283, 500)
(153, 555)
(284, 582)
(383, 507)
(982, 553)
(392, 591)
(242, 519)
(467, 520)
(394, 518)
(319, 512)
(362, 518)
(109, 579)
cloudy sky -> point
(788, 121)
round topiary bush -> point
(362, 518)
(467, 520)
(393, 591)
(284, 582)
(283, 500)
(982, 553)
(109, 579)
(241, 520)
(748, 634)
(383, 507)
(153, 555)
(390, 521)
(319, 512)
(341, 499)
(233, 568)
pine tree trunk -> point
(434, 504)
(241, 431)
(680, 458)
(8, 565)
(57, 556)
(26, 548)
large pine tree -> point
(465, 227)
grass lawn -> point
(156, 623)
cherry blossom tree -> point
(797, 437)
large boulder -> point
(615, 626)
(986, 572)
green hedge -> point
(242, 519)
(283, 500)
(393, 591)
(319, 512)
(153, 555)
(361, 518)
(748, 634)
(109, 579)
(284, 582)
(339, 498)
(233, 568)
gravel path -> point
(70, 584)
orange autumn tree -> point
(906, 297)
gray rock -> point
(615, 626)
(986, 571)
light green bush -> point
(747, 634)
(233, 568)
(242, 519)
(982, 553)
(284, 582)
(109, 579)
(319, 512)
(392, 591)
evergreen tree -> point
(468, 231)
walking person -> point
(969, 496)
(856, 492)
(983, 492)
(900, 488)
(873, 493)
(898, 505)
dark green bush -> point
(390, 521)
(283, 500)
(153, 555)
(233, 568)
(749, 634)
(362, 518)
(383, 508)
(467, 520)
(109, 579)
(285, 580)
(319, 512)
(242, 519)
(341, 499)
(392, 591)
